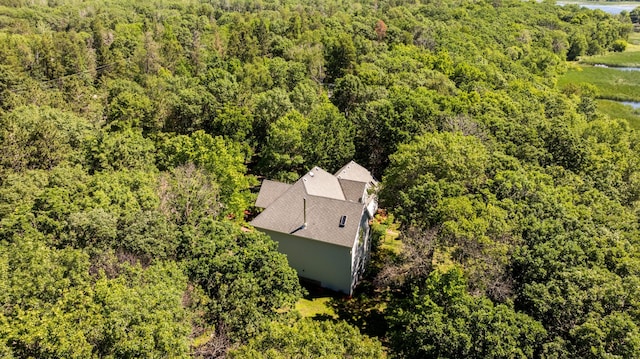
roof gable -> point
(354, 172)
(319, 182)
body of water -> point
(635, 105)
(618, 68)
(613, 9)
(627, 68)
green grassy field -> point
(617, 110)
(612, 84)
(629, 58)
(616, 59)
(601, 2)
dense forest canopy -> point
(134, 135)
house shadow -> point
(365, 310)
(317, 301)
(314, 290)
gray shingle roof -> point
(319, 182)
(353, 190)
(355, 172)
(328, 198)
(286, 215)
(269, 192)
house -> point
(321, 223)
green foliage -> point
(149, 235)
(244, 275)
(619, 46)
(132, 134)
(329, 140)
(18, 191)
(340, 56)
(143, 313)
(310, 339)
(441, 320)
(128, 105)
(563, 269)
(53, 307)
(189, 109)
(578, 46)
(188, 196)
(233, 122)
(268, 107)
(122, 150)
(433, 166)
(283, 154)
(635, 15)
(614, 335)
(95, 227)
(222, 159)
(41, 138)
(348, 93)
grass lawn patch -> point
(612, 84)
(315, 307)
(386, 230)
(317, 303)
(617, 110)
(203, 338)
(390, 242)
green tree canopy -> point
(433, 166)
(441, 320)
(223, 159)
(41, 138)
(310, 339)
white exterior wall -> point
(360, 250)
(327, 263)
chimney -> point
(304, 212)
